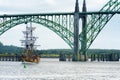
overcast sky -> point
(109, 37)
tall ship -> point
(29, 54)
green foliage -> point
(103, 51)
(10, 49)
(13, 50)
(1, 44)
(56, 51)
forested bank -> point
(14, 50)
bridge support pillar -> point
(62, 57)
(76, 32)
(84, 35)
(69, 57)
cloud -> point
(47, 6)
(95, 5)
(51, 2)
(20, 5)
(35, 6)
(44, 6)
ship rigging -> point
(29, 54)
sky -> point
(109, 37)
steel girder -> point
(61, 24)
(96, 22)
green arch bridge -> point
(66, 25)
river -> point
(52, 69)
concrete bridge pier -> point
(105, 57)
(76, 32)
(98, 57)
(10, 58)
(3, 58)
(115, 57)
(93, 57)
(0, 58)
(62, 57)
(6, 58)
(83, 52)
(69, 57)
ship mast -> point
(29, 42)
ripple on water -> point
(54, 70)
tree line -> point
(14, 50)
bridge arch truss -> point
(63, 23)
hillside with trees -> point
(14, 50)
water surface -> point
(52, 69)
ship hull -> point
(34, 59)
